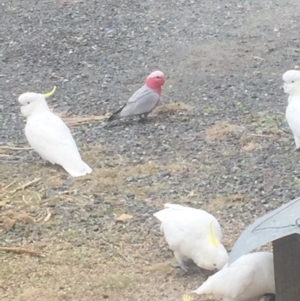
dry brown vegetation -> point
(106, 267)
(221, 129)
(250, 147)
(110, 267)
(172, 108)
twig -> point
(257, 57)
(9, 185)
(26, 185)
(15, 148)
(21, 251)
(5, 155)
(23, 199)
(75, 120)
(48, 215)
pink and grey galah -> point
(144, 100)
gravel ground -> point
(218, 142)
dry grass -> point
(251, 147)
(112, 177)
(222, 129)
(224, 201)
(109, 267)
(172, 108)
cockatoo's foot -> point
(204, 272)
(180, 265)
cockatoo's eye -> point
(292, 81)
(28, 102)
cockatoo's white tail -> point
(82, 169)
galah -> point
(249, 278)
(49, 136)
(291, 86)
(193, 234)
(144, 100)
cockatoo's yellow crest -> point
(212, 238)
(186, 298)
(50, 93)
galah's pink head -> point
(155, 81)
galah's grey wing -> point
(116, 114)
(142, 101)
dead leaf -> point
(25, 218)
(123, 218)
(8, 222)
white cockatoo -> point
(291, 86)
(247, 279)
(49, 136)
(193, 234)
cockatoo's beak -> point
(50, 93)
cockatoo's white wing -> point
(53, 141)
(142, 101)
(185, 224)
(173, 211)
(185, 218)
(293, 119)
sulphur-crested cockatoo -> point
(291, 86)
(193, 234)
(247, 279)
(49, 136)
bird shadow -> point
(193, 269)
(128, 122)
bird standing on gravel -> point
(193, 234)
(249, 278)
(291, 86)
(49, 136)
(144, 100)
